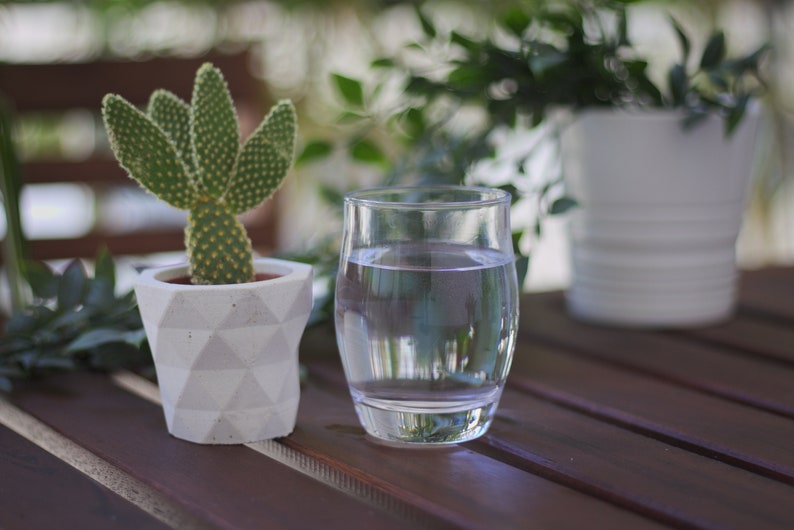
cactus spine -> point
(190, 156)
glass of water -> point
(426, 309)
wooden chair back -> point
(57, 88)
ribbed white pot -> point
(226, 356)
(653, 242)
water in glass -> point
(426, 331)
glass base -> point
(417, 423)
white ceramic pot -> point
(226, 356)
(653, 241)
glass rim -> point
(487, 197)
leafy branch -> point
(75, 323)
(718, 83)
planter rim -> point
(285, 269)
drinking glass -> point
(426, 309)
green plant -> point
(578, 54)
(11, 188)
(190, 156)
(536, 57)
(75, 322)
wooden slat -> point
(30, 87)
(750, 334)
(663, 481)
(743, 436)
(722, 372)
(140, 242)
(91, 171)
(467, 489)
(226, 486)
(32, 479)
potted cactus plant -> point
(224, 327)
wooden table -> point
(598, 428)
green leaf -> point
(172, 115)
(414, 122)
(350, 89)
(264, 160)
(542, 62)
(12, 344)
(104, 267)
(42, 280)
(331, 196)
(517, 21)
(213, 128)
(146, 152)
(72, 286)
(27, 360)
(22, 323)
(11, 371)
(513, 191)
(67, 321)
(467, 78)
(464, 42)
(683, 40)
(314, 150)
(383, 62)
(348, 116)
(714, 51)
(427, 26)
(368, 152)
(49, 362)
(751, 61)
(422, 86)
(115, 356)
(718, 80)
(735, 114)
(679, 84)
(562, 205)
(623, 28)
(100, 294)
(102, 336)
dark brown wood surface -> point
(29, 87)
(598, 427)
(37, 490)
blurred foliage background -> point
(329, 57)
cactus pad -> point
(190, 157)
(219, 250)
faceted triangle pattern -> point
(227, 356)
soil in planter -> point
(260, 277)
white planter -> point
(226, 356)
(653, 242)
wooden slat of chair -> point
(61, 87)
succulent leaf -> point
(146, 153)
(172, 115)
(214, 131)
(264, 160)
(219, 250)
(190, 157)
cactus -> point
(190, 156)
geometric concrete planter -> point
(660, 208)
(226, 356)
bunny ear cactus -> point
(190, 156)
